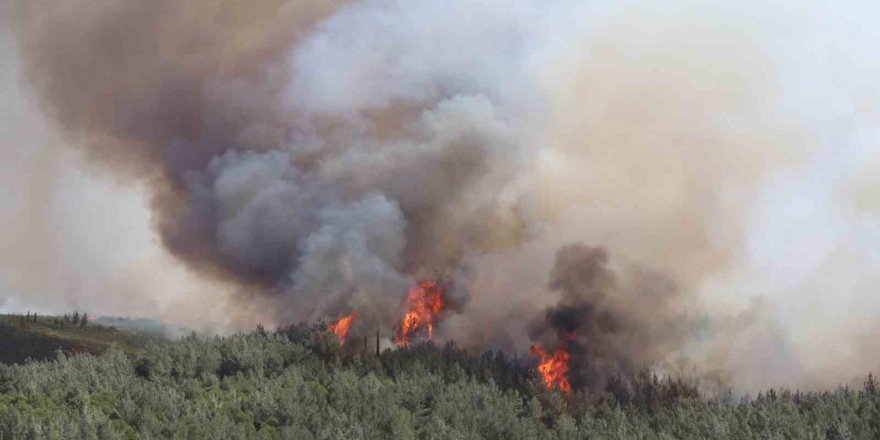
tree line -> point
(63, 320)
(299, 383)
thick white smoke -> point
(323, 156)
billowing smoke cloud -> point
(321, 156)
(609, 325)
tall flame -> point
(425, 301)
(554, 367)
(341, 326)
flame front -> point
(554, 368)
(425, 301)
(341, 326)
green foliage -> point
(298, 384)
(23, 338)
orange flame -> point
(341, 326)
(554, 368)
(425, 301)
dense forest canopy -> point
(301, 383)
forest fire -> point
(341, 326)
(554, 368)
(425, 301)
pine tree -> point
(76, 316)
(85, 320)
(870, 385)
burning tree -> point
(341, 326)
(425, 301)
(554, 367)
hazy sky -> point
(73, 237)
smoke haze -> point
(673, 181)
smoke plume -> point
(606, 326)
(321, 157)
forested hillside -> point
(300, 384)
(31, 336)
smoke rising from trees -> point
(319, 157)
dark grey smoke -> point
(323, 212)
(609, 326)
